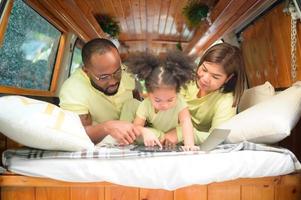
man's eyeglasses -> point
(107, 77)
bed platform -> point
(282, 187)
(286, 187)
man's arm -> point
(124, 132)
(86, 119)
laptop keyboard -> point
(157, 149)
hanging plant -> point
(195, 12)
(179, 46)
(109, 25)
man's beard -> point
(105, 91)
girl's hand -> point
(150, 138)
(190, 148)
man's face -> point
(104, 71)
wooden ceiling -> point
(156, 25)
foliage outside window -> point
(28, 52)
(76, 59)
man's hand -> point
(169, 139)
(124, 132)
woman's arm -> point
(223, 112)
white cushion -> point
(255, 95)
(269, 121)
(41, 125)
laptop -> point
(216, 137)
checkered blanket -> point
(127, 152)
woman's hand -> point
(190, 148)
(169, 139)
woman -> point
(213, 97)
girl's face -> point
(211, 77)
(163, 98)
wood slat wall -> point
(266, 46)
(266, 51)
(227, 16)
(272, 188)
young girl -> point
(164, 108)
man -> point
(98, 91)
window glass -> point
(28, 52)
(76, 59)
(2, 6)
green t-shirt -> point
(208, 112)
(162, 120)
(78, 95)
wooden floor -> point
(15, 187)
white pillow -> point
(269, 121)
(255, 95)
(41, 125)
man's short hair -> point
(98, 45)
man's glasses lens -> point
(107, 77)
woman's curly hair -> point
(174, 70)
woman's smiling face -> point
(211, 77)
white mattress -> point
(160, 172)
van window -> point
(76, 59)
(28, 51)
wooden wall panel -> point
(223, 191)
(266, 49)
(266, 46)
(228, 19)
(114, 192)
(155, 194)
(288, 192)
(11, 193)
(87, 193)
(252, 192)
(52, 193)
(288, 188)
(279, 41)
(196, 192)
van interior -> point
(40, 47)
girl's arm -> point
(139, 121)
(149, 138)
(187, 129)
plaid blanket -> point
(123, 152)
